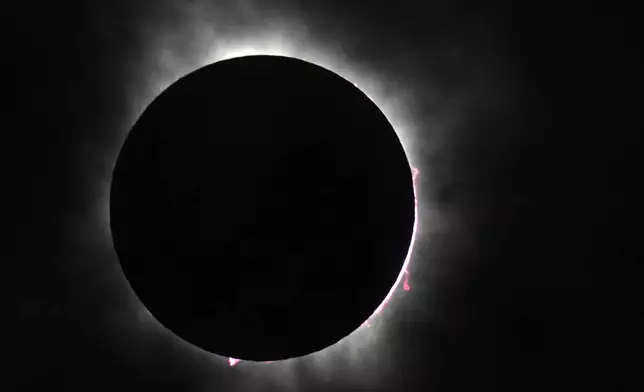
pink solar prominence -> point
(404, 273)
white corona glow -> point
(284, 41)
(430, 92)
(165, 63)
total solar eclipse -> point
(262, 208)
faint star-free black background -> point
(521, 279)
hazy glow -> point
(282, 42)
(166, 61)
(429, 93)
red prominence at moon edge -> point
(405, 272)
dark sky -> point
(515, 116)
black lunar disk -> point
(262, 208)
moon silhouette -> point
(262, 208)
